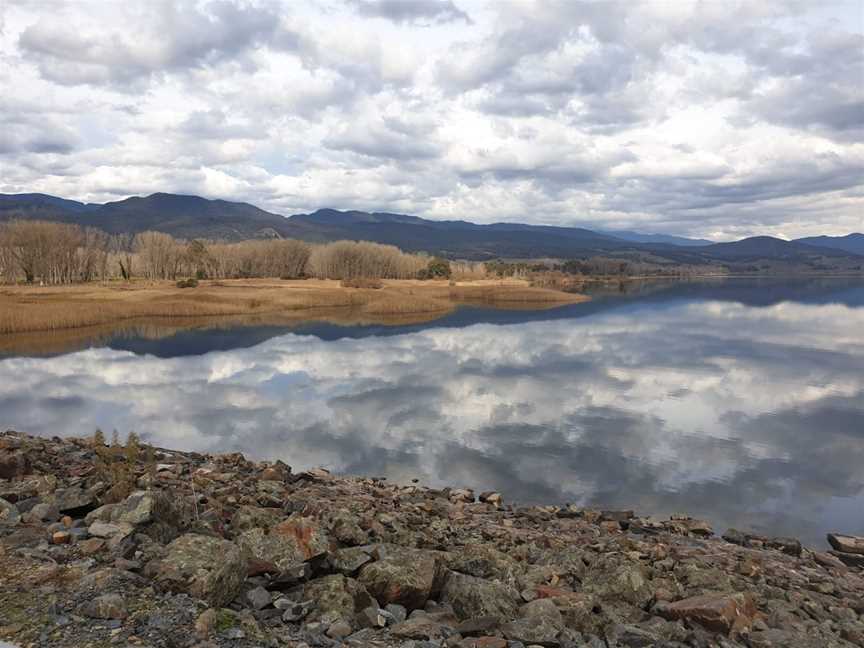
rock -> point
(14, 464)
(465, 495)
(109, 530)
(91, 546)
(418, 627)
(483, 561)
(339, 630)
(404, 576)
(336, 598)
(297, 539)
(397, 612)
(215, 621)
(625, 582)
(732, 613)
(258, 598)
(293, 611)
(251, 517)
(43, 512)
(106, 606)
(74, 501)
(345, 529)
(491, 497)
(478, 626)
(61, 537)
(489, 642)
(791, 546)
(540, 623)
(849, 559)
(9, 515)
(150, 512)
(827, 560)
(348, 560)
(371, 617)
(735, 537)
(846, 543)
(475, 597)
(202, 566)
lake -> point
(738, 400)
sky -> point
(717, 119)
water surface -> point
(741, 401)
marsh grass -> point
(32, 309)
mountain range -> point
(194, 217)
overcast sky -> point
(718, 119)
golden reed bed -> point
(30, 309)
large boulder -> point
(74, 501)
(483, 561)
(628, 583)
(336, 598)
(476, 597)
(403, 576)
(297, 539)
(250, 517)
(205, 567)
(726, 613)
(539, 623)
(846, 543)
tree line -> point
(59, 253)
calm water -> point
(739, 401)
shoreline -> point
(105, 544)
(33, 309)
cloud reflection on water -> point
(750, 416)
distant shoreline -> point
(38, 309)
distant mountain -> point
(195, 217)
(853, 243)
(638, 237)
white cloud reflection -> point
(749, 415)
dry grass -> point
(26, 309)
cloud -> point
(167, 36)
(713, 120)
(408, 11)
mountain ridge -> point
(190, 216)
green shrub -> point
(188, 283)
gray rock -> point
(107, 606)
(43, 512)
(258, 598)
(397, 612)
(109, 530)
(202, 566)
(336, 598)
(371, 617)
(292, 541)
(9, 515)
(349, 560)
(404, 576)
(475, 597)
(74, 501)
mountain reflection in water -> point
(740, 401)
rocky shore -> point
(134, 546)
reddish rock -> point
(61, 537)
(732, 613)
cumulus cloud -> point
(718, 120)
(406, 11)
